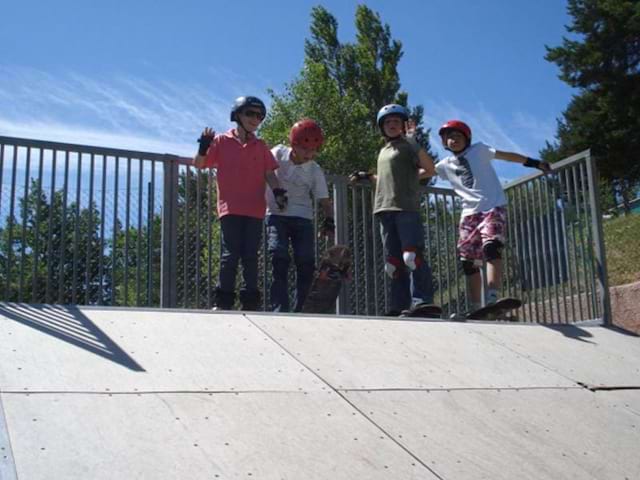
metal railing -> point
(101, 226)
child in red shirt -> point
(243, 165)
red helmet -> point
(306, 133)
(455, 125)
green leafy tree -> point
(602, 61)
(52, 254)
(342, 86)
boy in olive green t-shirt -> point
(401, 164)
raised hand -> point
(207, 136)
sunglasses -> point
(253, 113)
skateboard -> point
(424, 310)
(495, 311)
(333, 271)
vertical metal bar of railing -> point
(567, 223)
(168, 263)
(560, 246)
(198, 211)
(589, 218)
(576, 225)
(76, 238)
(89, 240)
(12, 200)
(528, 252)
(23, 238)
(579, 190)
(375, 265)
(50, 254)
(340, 209)
(598, 240)
(356, 250)
(544, 230)
(447, 254)
(35, 277)
(554, 256)
(114, 246)
(150, 235)
(185, 239)
(103, 215)
(127, 224)
(149, 255)
(438, 248)
(365, 251)
(62, 277)
(138, 255)
(210, 239)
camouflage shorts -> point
(478, 229)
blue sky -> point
(149, 75)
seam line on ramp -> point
(7, 462)
(337, 392)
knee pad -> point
(492, 250)
(469, 267)
(412, 258)
(393, 266)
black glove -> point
(328, 226)
(542, 166)
(205, 142)
(359, 176)
(280, 196)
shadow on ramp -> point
(70, 325)
(572, 331)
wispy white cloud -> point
(521, 132)
(119, 112)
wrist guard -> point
(531, 163)
(360, 175)
(204, 142)
(280, 196)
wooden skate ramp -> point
(156, 394)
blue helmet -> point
(243, 102)
(392, 109)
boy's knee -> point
(412, 257)
(393, 266)
(492, 250)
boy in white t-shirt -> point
(304, 181)
(483, 222)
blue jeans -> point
(403, 231)
(282, 230)
(241, 238)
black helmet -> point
(243, 102)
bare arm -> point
(425, 162)
(510, 156)
(272, 179)
(327, 207)
(526, 161)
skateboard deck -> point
(424, 310)
(334, 269)
(495, 311)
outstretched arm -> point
(526, 161)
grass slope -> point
(622, 241)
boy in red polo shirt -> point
(243, 164)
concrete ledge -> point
(625, 306)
